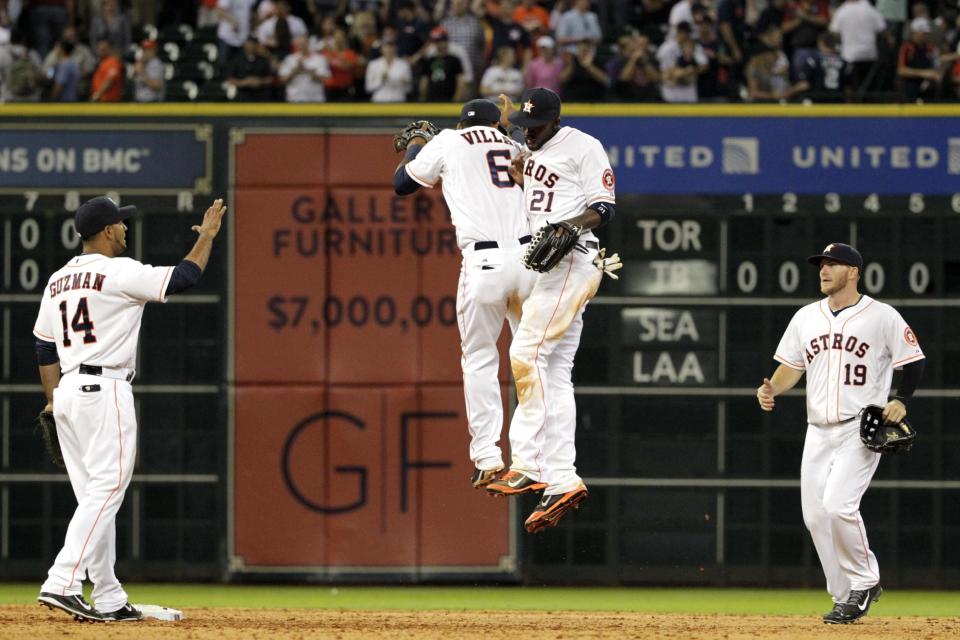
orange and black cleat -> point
(514, 483)
(551, 508)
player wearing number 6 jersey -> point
(848, 344)
(86, 336)
(566, 177)
(486, 208)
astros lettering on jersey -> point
(848, 358)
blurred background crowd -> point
(453, 50)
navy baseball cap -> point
(481, 109)
(97, 213)
(840, 252)
(538, 107)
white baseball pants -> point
(98, 436)
(544, 424)
(493, 285)
(834, 474)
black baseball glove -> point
(421, 128)
(549, 245)
(46, 426)
(881, 436)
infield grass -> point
(774, 602)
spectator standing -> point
(545, 69)
(825, 74)
(22, 75)
(583, 80)
(412, 32)
(501, 31)
(812, 19)
(107, 84)
(632, 72)
(464, 29)
(768, 72)
(532, 17)
(233, 26)
(681, 61)
(148, 81)
(66, 74)
(303, 72)
(731, 19)
(250, 73)
(48, 18)
(112, 24)
(441, 74)
(278, 32)
(918, 69)
(82, 55)
(502, 76)
(712, 83)
(578, 25)
(344, 67)
(389, 77)
(858, 24)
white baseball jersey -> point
(570, 171)
(92, 309)
(848, 358)
(469, 161)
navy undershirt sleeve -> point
(46, 352)
(185, 275)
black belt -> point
(492, 244)
(848, 420)
(97, 370)
(591, 244)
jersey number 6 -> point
(499, 174)
(81, 322)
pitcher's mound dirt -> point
(37, 623)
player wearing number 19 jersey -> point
(566, 177)
(848, 345)
(486, 207)
(86, 336)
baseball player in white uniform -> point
(566, 177)
(486, 207)
(86, 338)
(848, 344)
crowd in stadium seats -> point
(453, 50)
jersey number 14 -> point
(81, 322)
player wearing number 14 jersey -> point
(848, 345)
(486, 207)
(86, 338)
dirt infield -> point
(34, 622)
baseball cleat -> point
(834, 613)
(126, 613)
(551, 508)
(514, 483)
(855, 607)
(482, 477)
(74, 605)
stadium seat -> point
(199, 50)
(216, 92)
(186, 91)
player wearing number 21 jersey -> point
(86, 341)
(486, 207)
(566, 177)
(848, 345)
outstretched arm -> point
(783, 379)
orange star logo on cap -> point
(527, 106)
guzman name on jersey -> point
(77, 281)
